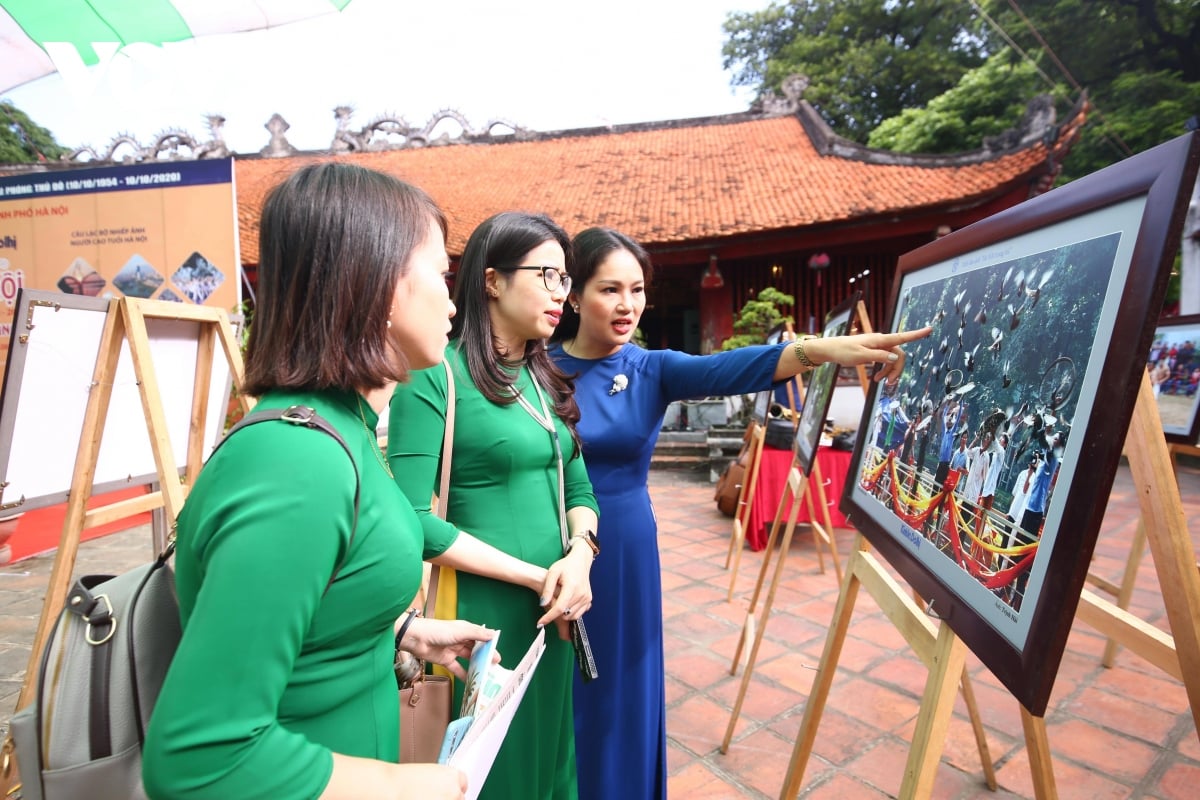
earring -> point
(575, 308)
(389, 323)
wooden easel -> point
(757, 434)
(821, 535)
(1123, 592)
(1164, 525)
(796, 486)
(126, 321)
(942, 651)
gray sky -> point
(542, 64)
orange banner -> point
(166, 231)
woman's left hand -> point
(443, 641)
(868, 348)
(567, 593)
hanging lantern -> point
(818, 263)
(712, 278)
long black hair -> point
(502, 241)
(589, 248)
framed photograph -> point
(1174, 369)
(762, 404)
(1018, 404)
(777, 403)
(764, 399)
(820, 389)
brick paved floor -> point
(1125, 732)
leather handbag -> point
(425, 701)
(424, 716)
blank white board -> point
(52, 357)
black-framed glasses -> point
(553, 277)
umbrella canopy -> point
(35, 35)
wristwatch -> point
(589, 537)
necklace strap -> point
(546, 420)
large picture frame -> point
(820, 389)
(1174, 367)
(1042, 318)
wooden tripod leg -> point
(826, 535)
(1038, 746)
(985, 753)
(816, 528)
(772, 538)
(762, 626)
(815, 706)
(937, 704)
(736, 542)
(1125, 592)
(968, 695)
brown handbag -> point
(425, 701)
(424, 716)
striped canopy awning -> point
(37, 35)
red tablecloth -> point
(772, 480)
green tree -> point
(865, 60)
(937, 77)
(986, 101)
(1139, 61)
(23, 141)
(758, 317)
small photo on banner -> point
(198, 278)
(138, 278)
(81, 278)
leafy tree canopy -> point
(926, 76)
(23, 141)
(986, 100)
(866, 60)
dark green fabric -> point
(503, 490)
(273, 672)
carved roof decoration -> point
(775, 169)
(385, 132)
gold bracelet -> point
(802, 356)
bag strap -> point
(307, 417)
(99, 741)
(444, 486)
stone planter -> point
(705, 414)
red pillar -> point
(716, 317)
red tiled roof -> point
(714, 179)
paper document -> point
(490, 700)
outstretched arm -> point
(849, 351)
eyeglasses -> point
(552, 277)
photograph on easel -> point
(984, 470)
(820, 389)
(1174, 370)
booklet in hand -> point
(490, 698)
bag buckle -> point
(299, 415)
(6, 757)
(104, 617)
